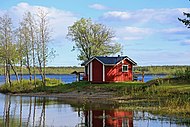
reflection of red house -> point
(108, 118)
(109, 69)
(119, 119)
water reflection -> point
(108, 118)
(19, 111)
(16, 111)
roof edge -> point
(96, 57)
(88, 61)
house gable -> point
(109, 60)
(97, 71)
(115, 73)
(90, 60)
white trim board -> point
(91, 71)
(103, 73)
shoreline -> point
(108, 96)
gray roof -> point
(109, 60)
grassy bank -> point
(161, 96)
(56, 86)
(171, 97)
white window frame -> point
(125, 66)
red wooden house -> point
(109, 69)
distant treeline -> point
(50, 70)
(139, 69)
(160, 69)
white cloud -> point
(135, 30)
(117, 15)
(98, 7)
(59, 19)
(146, 15)
(133, 33)
(162, 23)
(176, 30)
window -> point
(124, 68)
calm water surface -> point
(69, 78)
(66, 78)
(16, 111)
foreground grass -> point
(28, 87)
(161, 96)
(55, 86)
(171, 97)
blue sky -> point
(148, 30)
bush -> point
(17, 87)
(183, 74)
(26, 86)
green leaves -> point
(92, 39)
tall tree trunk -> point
(8, 73)
(43, 55)
(33, 55)
(40, 68)
(21, 70)
(5, 73)
(34, 69)
(14, 72)
(28, 67)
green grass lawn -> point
(55, 86)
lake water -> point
(66, 78)
(69, 78)
(17, 111)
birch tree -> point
(26, 46)
(32, 28)
(43, 40)
(5, 44)
(26, 39)
(20, 49)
